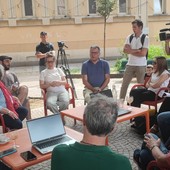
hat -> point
(43, 33)
(3, 57)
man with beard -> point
(12, 83)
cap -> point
(43, 33)
(3, 57)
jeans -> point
(164, 125)
(16, 123)
(146, 154)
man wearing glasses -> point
(53, 80)
(95, 73)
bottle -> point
(114, 92)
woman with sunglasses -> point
(160, 78)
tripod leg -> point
(58, 55)
(65, 60)
(68, 75)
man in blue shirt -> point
(95, 73)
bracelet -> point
(153, 147)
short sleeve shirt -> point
(136, 44)
(95, 72)
(43, 48)
(50, 75)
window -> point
(61, 7)
(122, 6)
(28, 8)
(92, 6)
(158, 7)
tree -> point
(104, 8)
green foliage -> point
(156, 51)
(152, 53)
(105, 7)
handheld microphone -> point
(165, 29)
(167, 23)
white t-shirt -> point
(50, 75)
(155, 78)
(136, 44)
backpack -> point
(142, 41)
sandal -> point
(154, 129)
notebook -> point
(47, 132)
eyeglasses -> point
(50, 62)
(95, 52)
(154, 62)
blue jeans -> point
(146, 154)
(16, 123)
(163, 120)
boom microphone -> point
(165, 29)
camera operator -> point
(167, 48)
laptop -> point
(47, 132)
(122, 111)
(107, 93)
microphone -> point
(165, 29)
(167, 23)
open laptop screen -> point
(45, 127)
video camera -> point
(61, 44)
(163, 35)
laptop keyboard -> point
(53, 142)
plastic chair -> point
(2, 123)
(153, 165)
(156, 100)
(68, 88)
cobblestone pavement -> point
(122, 140)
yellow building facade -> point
(77, 23)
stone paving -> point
(122, 140)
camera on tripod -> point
(61, 44)
(163, 35)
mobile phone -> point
(7, 152)
(28, 156)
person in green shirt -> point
(91, 153)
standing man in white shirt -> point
(137, 52)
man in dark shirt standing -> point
(42, 49)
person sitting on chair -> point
(159, 78)
(153, 148)
(53, 80)
(11, 81)
(90, 153)
(95, 73)
(12, 112)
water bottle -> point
(114, 92)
